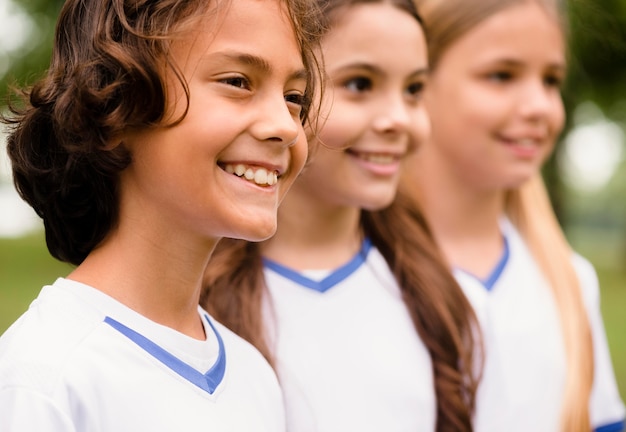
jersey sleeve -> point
(606, 407)
(25, 410)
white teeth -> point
(380, 159)
(526, 142)
(260, 176)
(377, 158)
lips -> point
(523, 142)
(376, 158)
(527, 148)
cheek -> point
(558, 118)
(421, 129)
(333, 134)
(345, 124)
(300, 152)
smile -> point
(257, 175)
(527, 142)
(376, 158)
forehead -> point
(524, 29)
(246, 26)
(383, 22)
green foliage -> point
(29, 63)
(598, 53)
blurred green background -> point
(586, 176)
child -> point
(130, 151)
(496, 110)
(365, 326)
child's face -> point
(494, 98)
(246, 80)
(376, 115)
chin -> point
(378, 203)
(259, 232)
(518, 179)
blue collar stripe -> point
(331, 280)
(207, 382)
(497, 271)
(613, 427)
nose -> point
(393, 117)
(275, 122)
(540, 102)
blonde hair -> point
(530, 210)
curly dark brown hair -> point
(106, 77)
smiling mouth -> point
(522, 142)
(376, 158)
(257, 175)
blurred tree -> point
(598, 61)
(28, 62)
(597, 70)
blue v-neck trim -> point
(329, 281)
(491, 280)
(497, 271)
(208, 381)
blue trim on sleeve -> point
(612, 427)
(208, 381)
(328, 282)
(497, 271)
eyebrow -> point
(259, 63)
(559, 66)
(376, 70)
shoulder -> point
(36, 349)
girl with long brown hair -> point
(350, 300)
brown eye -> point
(416, 88)
(500, 76)
(237, 81)
(553, 81)
(358, 85)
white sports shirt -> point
(79, 361)
(524, 373)
(348, 356)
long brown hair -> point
(235, 290)
(443, 318)
(530, 210)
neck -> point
(465, 220)
(157, 274)
(314, 234)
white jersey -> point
(348, 355)
(80, 361)
(524, 375)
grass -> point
(25, 266)
(613, 291)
